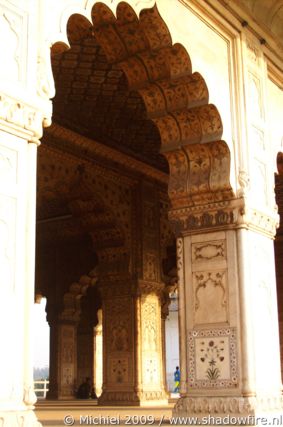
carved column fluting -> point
(63, 359)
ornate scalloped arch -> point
(72, 298)
(176, 100)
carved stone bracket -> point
(22, 118)
(146, 288)
(263, 222)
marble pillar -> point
(98, 355)
(63, 360)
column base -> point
(265, 410)
(118, 398)
(19, 419)
(57, 396)
(153, 398)
(129, 398)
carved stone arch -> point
(176, 100)
(71, 299)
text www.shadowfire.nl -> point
(140, 420)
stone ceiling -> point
(267, 13)
(92, 98)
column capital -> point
(223, 215)
(145, 287)
(116, 285)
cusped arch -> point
(176, 99)
(72, 298)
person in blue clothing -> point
(177, 378)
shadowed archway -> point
(124, 84)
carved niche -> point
(207, 251)
(150, 267)
(210, 290)
(118, 323)
(149, 313)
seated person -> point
(84, 389)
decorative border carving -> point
(222, 215)
(209, 251)
(232, 382)
(227, 405)
(186, 220)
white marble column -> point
(17, 237)
(98, 355)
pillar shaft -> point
(17, 213)
(132, 345)
(63, 360)
(119, 350)
(98, 355)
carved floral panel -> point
(213, 358)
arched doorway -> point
(129, 88)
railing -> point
(41, 388)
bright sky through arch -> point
(40, 335)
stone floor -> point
(79, 412)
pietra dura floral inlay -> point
(213, 358)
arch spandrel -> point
(175, 99)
